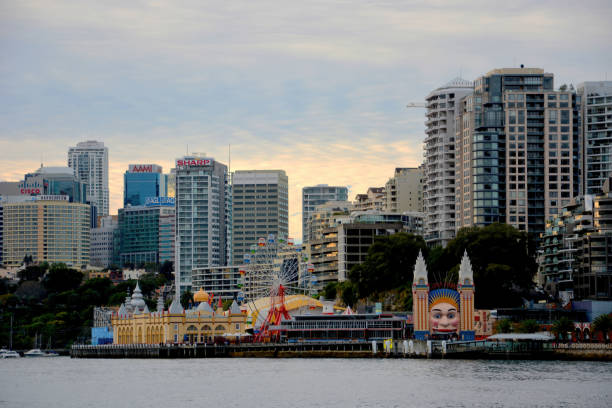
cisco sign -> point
(157, 201)
(193, 162)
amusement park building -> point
(134, 324)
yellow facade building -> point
(134, 324)
(49, 230)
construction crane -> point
(416, 105)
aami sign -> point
(144, 168)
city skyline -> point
(323, 88)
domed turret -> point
(200, 296)
(137, 302)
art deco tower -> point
(465, 287)
(420, 299)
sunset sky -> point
(317, 88)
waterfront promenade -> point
(375, 349)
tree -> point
(151, 267)
(330, 290)
(502, 261)
(60, 278)
(166, 269)
(603, 324)
(503, 326)
(528, 326)
(349, 293)
(32, 272)
(30, 291)
(186, 299)
(388, 265)
(561, 327)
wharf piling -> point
(373, 349)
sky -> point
(317, 88)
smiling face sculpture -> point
(444, 311)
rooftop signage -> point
(52, 198)
(159, 201)
(194, 162)
(144, 168)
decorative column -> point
(466, 289)
(420, 299)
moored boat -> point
(34, 353)
(9, 354)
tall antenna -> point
(187, 149)
(229, 157)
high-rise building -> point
(404, 191)
(89, 160)
(596, 102)
(54, 181)
(203, 217)
(439, 165)
(104, 242)
(316, 195)
(142, 181)
(260, 207)
(167, 230)
(141, 231)
(516, 151)
(47, 228)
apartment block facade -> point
(316, 195)
(596, 101)
(260, 207)
(439, 165)
(516, 150)
(203, 217)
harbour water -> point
(65, 382)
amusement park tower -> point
(465, 288)
(435, 311)
(420, 299)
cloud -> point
(318, 88)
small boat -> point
(34, 353)
(9, 354)
(51, 354)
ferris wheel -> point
(271, 263)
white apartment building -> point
(89, 160)
(596, 103)
(439, 165)
(203, 217)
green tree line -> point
(502, 260)
(54, 304)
